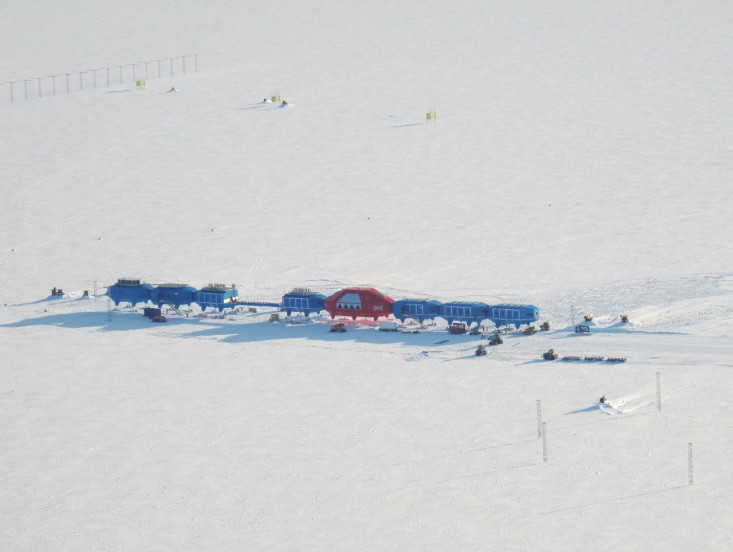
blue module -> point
(464, 311)
(502, 315)
(303, 300)
(131, 291)
(417, 309)
(173, 294)
(217, 296)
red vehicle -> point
(359, 302)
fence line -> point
(77, 81)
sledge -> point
(388, 326)
(339, 327)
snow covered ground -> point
(580, 161)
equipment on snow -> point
(458, 328)
(495, 339)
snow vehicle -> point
(458, 328)
(339, 327)
(495, 339)
(550, 355)
(149, 312)
(480, 351)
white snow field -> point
(580, 162)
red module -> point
(359, 302)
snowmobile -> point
(495, 339)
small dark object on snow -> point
(495, 339)
(625, 318)
(480, 350)
(615, 359)
(581, 328)
(588, 317)
(86, 293)
(545, 326)
(57, 292)
(339, 327)
(593, 358)
(550, 355)
(603, 400)
(159, 318)
(572, 358)
(529, 330)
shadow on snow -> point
(243, 331)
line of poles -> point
(137, 73)
(542, 432)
